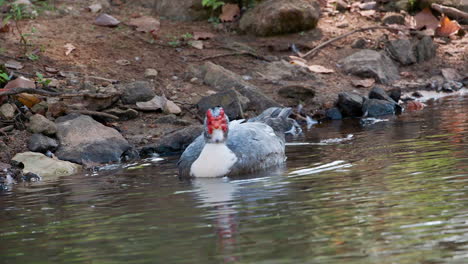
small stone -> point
(20, 82)
(172, 108)
(123, 114)
(371, 64)
(40, 108)
(194, 79)
(175, 78)
(40, 124)
(297, 92)
(376, 107)
(157, 103)
(41, 143)
(139, 91)
(106, 20)
(350, 104)
(7, 111)
(342, 25)
(379, 93)
(393, 19)
(425, 49)
(233, 103)
(43, 166)
(334, 114)
(151, 73)
(359, 43)
(94, 8)
(401, 50)
(173, 120)
(395, 94)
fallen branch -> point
(225, 55)
(314, 50)
(7, 129)
(14, 91)
(93, 113)
(450, 11)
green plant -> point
(214, 4)
(32, 56)
(4, 77)
(187, 36)
(41, 80)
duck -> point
(239, 147)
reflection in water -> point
(394, 192)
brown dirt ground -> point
(98, 49)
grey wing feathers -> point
(256, 147)
(190, 155)
(278, 119)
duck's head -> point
(216, 125)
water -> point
(390, 192)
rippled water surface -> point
(391, 192)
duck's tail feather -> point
(278, 118)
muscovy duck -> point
(232, 148)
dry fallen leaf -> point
(229, 13)
(366, 83)
(5, 26)
(202, 35)
(425, 19)
(414, 106)
(69, 48)
(145, 24)
(295, 58)
(319, 69)
(123, 62)
(451, 74)
(28, 100)
(95, 8)
(106, 20)
(447, 27)
(51, 70)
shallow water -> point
(391, 192)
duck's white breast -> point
(215, 160)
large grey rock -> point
(173, 142)
(232, 102)
(223, 79)
(44, 166)
(402, 51)
(376, 107)
(274, 17)
(425, 49)
(350, 104)
(41, 143)
(371, 64)
(139, 91)
(40, 124)
(7, 111)
(334, 114)
(185, 10)
(84, 140)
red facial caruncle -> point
(216, 122)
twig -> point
(7, 128)
(314, 50)
(450, 11)
(93, 113)
(225, 55)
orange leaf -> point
(414, 106)
(426, 19)
(28, 100)
(230, 13)
(447, 27)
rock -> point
(7, 111)
(172, 108)
(425, 49)
(274, 17)
(151, 73)
(285, 71)
(84, 140)
(401, 50)
(44, 166)
(123, 114)
(297, 92)
(172, 120)
(350, 104)
(395, 94)
(376, 107)
(174, 142)
(371, 64)
(40, 124)
(139, 91)
(222, 79)
(334, 114)
(451, 74)
(40, 108)
(184, 10)
(233, 103)
(359, 43)
(379, 93)
(106, 20)
(393, 19)
(342, 25)
(342, 6)
(155, 104)
(20, 82)
(41, 143)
